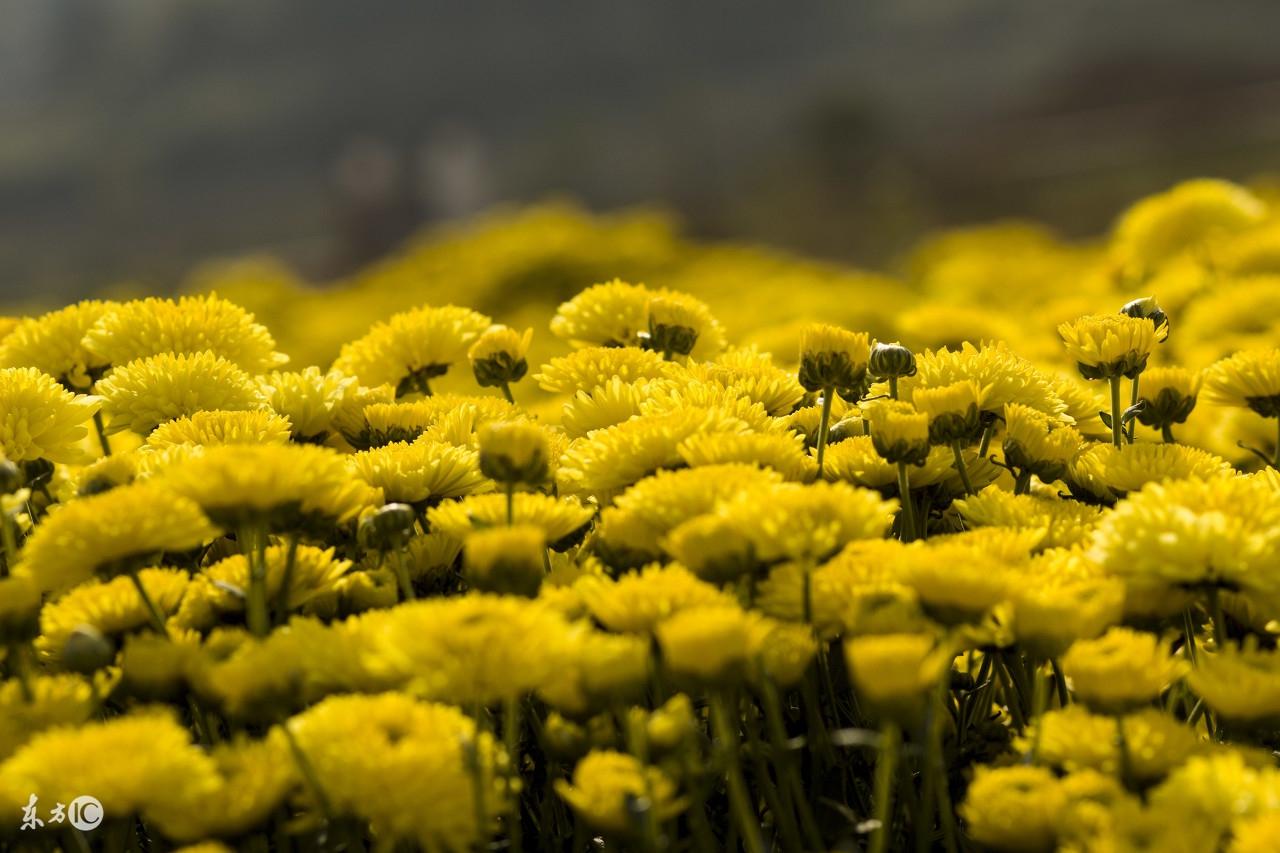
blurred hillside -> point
(139, 136)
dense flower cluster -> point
(766, 555)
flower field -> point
(489, 546)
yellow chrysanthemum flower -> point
(1074, 739)
(585, 369)
(753, 374)
(382, 423)
(1168, 397)
(145, 393)
(612, 314)
(895, 673)
(1065, 598)
(669, 395)
(143, 328)
(141, 762)
(112, 608)
(611, 459)
(1106, 473)
(599, 671)
(635, 603)
(506, 560)
(1000, 376)
(1213, 791)
(1163, 225)
(1242, 685)
(708, 644)
(1107, 346)
(1065, 522)
(277, 485)
(1223, 531)
(783, 453)
(603, 406)
(678, 324)
(514, 452)
(39, 419)
(1119, 670)
(952, 411)
(1038, 444)
(308, 398)
(402, 765)
(111, 532)
(420, 472)
(1249, 379)
(1256, 834)
(1014, 809)
(604, 785)
(215, 428)
(834, 358)
(810, 523)
(412, 348)
(55, 701)
(53, 343)
(561, 520)
(856, 460)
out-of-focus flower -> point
(412, 348)
(606, 785)
(39, 419)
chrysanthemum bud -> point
(36, 471)
(847, 427)
(506, 560)
(713, 548)
(389, 528)
(87, 650)
(10, 477)
(891, 359)
(831, 357)
(1168, 395)
(514, 452)
(1147, 308)
(898, 432)
(952, 410)
(673, 327)
(498, 356)
(19, 611)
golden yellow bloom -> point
(899, 433)
(1106, 473)
(56, 701)
(1161, 226)
(39, 419)
(420, 472)
(1257, 834)
(349, 411)
(308, 398)
(959, 580)
(1119, 670)
(1212, 791)
(416, 757)
(193, 324)
(599, 671)
(145, 393)
(752, 373)
(707, 644)
(1064, 598)
(1107, 346)
(605, 783)
(1014, 809)
(783, 453)
(111, 607)
(506, 560)
(952, 411)
(668, 395)
(611, 459)
(833, 358)
(412, 348)
(1223, 531)
(1249, 379)
(498, 356)
(1038, 444)
(1168, 395)
(214, 428)
(561, 520)
(895, 673)
(53, 343)
(612, 314)
(279, 485)
(714, 548)
(1240, 684)
(1074, 739)
(141, 762)
(678, 323)
(217, 592)
(124, 528)
(513, 452)
(20, 610)
(603, 406)
(384, 422)
(639, 601)
(585, 369)
(856, 460)
(1000, 376)
(795, 522)
(1065, 522)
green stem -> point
(726, 732)
(886, 769)
(824, 426)
(907, 527)
(511, 504)
(403, 580)
(893, 387)
(308, 773)
(10, 542)
(784, 762)
(286, 581)
(1166, 434)
(511, 740)
(1219, 621)
(776, 800)
(506, 392)
(1060, 681)
(933, 755)
(1117, 434)
(1022, 483)
(1189, 634)
(1039, 699)
(1133, 401)
(18, 668)
(985, 444)
(256, 602)
(102, 433)
(153, 612)
(958, 450)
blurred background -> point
(139, 137)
